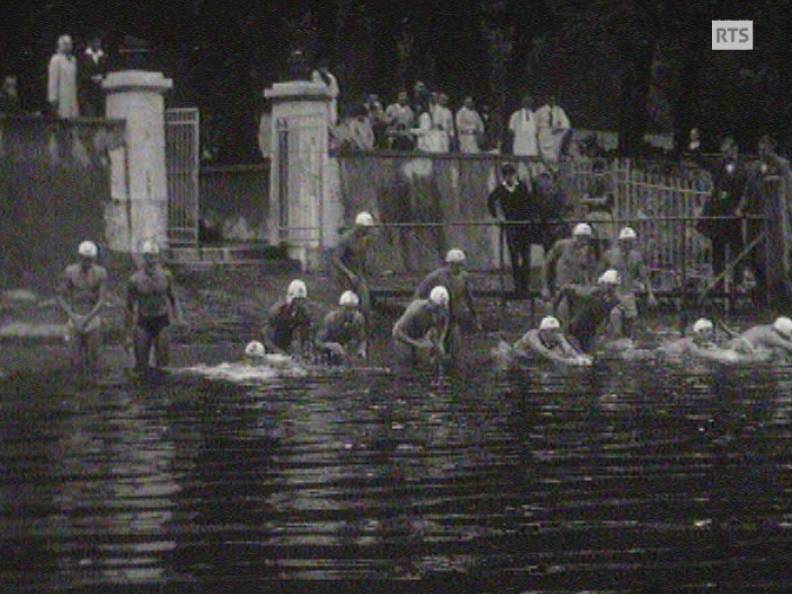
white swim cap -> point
(88, 249)
(455, 256)
(609, 277)
(439, 295)
(702, 325)
(255, 349)
(582, 229)
(549, 323)
(296, 290)
(628, 233)
(349, 298)
(783, 326)
(149, 248)
(364, 219)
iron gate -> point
(181, 159)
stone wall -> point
(54, 189)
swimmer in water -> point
(151, 306)
(289, 324)
(342, 335)
(701, 344)
(421, 331)
(549, 342)
(82, 297)
(456, 279)
(765, 340)
(592, 307)
(256, 354)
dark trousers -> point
(730, 238)
(519, 243)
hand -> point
(546, 294)
(335, 348)
(77, 322)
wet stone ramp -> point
(620, 478)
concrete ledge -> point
(33, 332)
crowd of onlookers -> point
(426, 121)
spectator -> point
(443, 120)
(92, 70)
(9, 96)
(428, 137)
(355, 132)
(62, 83)
(729, 182)
(377, 119)
(401, 119)
(322, 74)
(554, 130)
(470, 127)
(523, 129)
(511, 201)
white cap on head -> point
(609, 277)
(628, 233)
(549, 323)
(364, 219)
(582, 229)
(255, 349)
(702, 325)
(150, 248)
(439, 296)
(455, 256)
(296, 290)
(349, 298)
(88, 249)
(783, 326)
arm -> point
(53, 82)
(100, 301)
(548, 270)
(427, 284)
(174, 302)
(469, 303)
(537, 346)
(492, 203)
(322, 337)
(336, 260)
(131, 303)
(643, 274)
(399, 328)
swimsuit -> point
(153, 326)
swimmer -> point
(455, 278)
(570, 262)
(765, 340)
(421, 331)
(349, 259)
(82, 296)
(592, 307)
(256, 354)
(701, 343)
(628, 260)
(289, 324)
(342, 334)
(150, 306)
(549, 342)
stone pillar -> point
(139, 207)
(303, 213)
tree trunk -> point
(633, 115)
(686, 110)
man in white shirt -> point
(62, 82)
(401, 119)
(554, 129)
(470, 127)
(443, 120)
(522, 126)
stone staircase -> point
(250, 254)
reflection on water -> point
(620, 478)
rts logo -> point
(732, 35)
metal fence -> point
(182, 163)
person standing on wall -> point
(62, 81)
(92, 71)
(82, 296)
